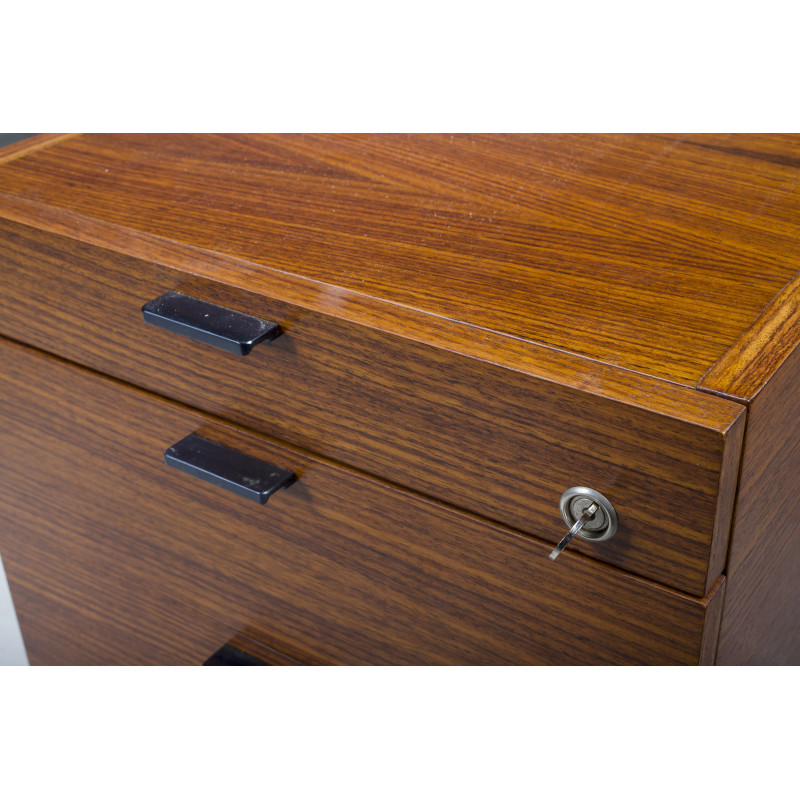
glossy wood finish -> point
(653, 253)
(761, 350)
(641, 391)
(495, 441)
(761, 618)
(339, 568)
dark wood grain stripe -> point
(773, 158)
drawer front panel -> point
(80, 606)
(496, 442)
(336, 568)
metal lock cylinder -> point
(588, 514)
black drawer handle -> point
(229, 656)
(229, 469)
(205, 322)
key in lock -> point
(588, 514)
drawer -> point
(485, 435)
(338, 568)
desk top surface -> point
(660, 254)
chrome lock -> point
(588, 514)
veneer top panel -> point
(650, 253)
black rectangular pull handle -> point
(227, 468)
(206, 322)
(229, 656)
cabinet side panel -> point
(761, 618)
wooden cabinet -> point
(337, 568)
(469, 326)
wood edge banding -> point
(713, 622)
(726, 500)
(25, 147)
(756, 355)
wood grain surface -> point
(484, 319)
(70, 618)
(648, 252)
(761, 617)
(339, 568)
(187, 263)
(266, 654)
(755, 357)
(30, 145)
(492, 440)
